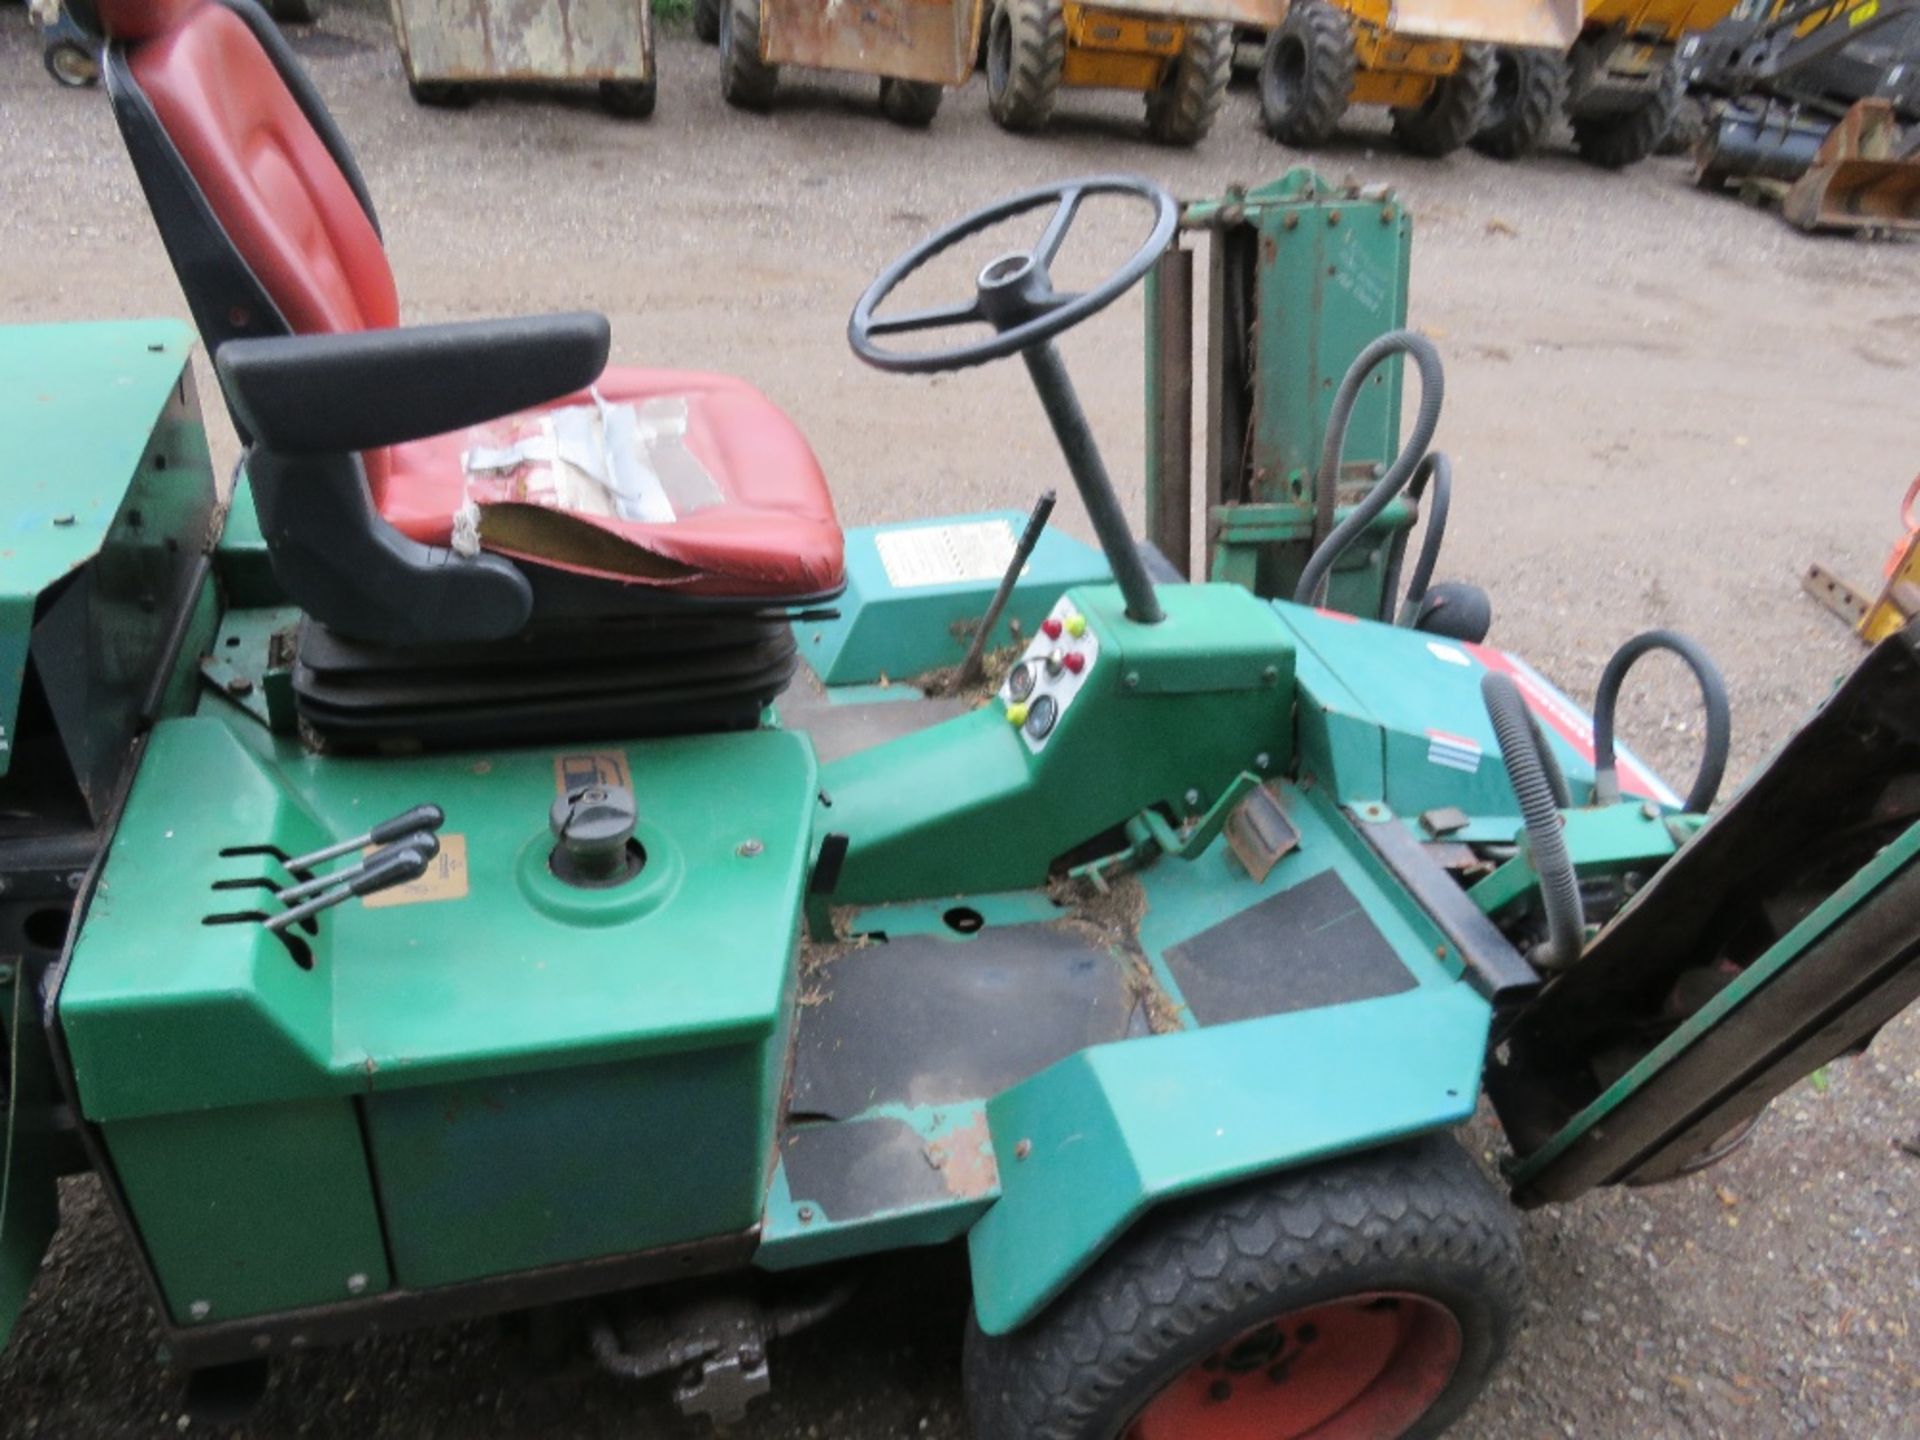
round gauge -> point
(1041, 717)
(1020, 682)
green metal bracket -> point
(1609, 841)
(1303, 275)
(1150, 835)
(1796, 944)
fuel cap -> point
(593, 833)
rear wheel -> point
(1529, 90)
(1026, 51)
(1306, 74)
(1454, 112)
(1363, 1299)
(1181, 109)
(910, 102)
(745, 79)
(1627, 137)
(706, 20)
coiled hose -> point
(1713, 696)
(1313, 578)
(1546, 845)
(1436, 467)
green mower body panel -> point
(106, 510)
(536, 1074)
(1173, 906)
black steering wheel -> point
(1014, 294)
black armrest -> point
(331, 394)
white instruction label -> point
(946, 554)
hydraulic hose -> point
(1546, 845)
(1436, 467)
(1313, 577)
(1713, 697)
(1549, 765)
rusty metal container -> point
(1527, 24)
(1862, 178)
(932, 41)
(448, 45)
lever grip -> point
(425, 841)
(399, 867)
(420, 817)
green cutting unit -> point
(544, 862)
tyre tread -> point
(1196, 1264)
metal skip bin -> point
(1539, 24)
(450, 46)
(931, 41)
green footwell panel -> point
(252, 1209)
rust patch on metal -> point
(524, 40)
(966, 1161)
(928, 40)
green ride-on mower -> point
(524, 854)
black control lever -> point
(422, 840)
(398, 866)
(420, 817)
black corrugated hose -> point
(1546, 845)
(1713, 695)
(1313, 577)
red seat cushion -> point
(773, 533)
(266, 174)
(291, 214)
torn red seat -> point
(272, 233)
(766, 526)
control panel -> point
(1055, 667)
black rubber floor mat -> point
(1301, 949)
(869, 1167)
(926, 1021)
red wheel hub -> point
(1363, 1368)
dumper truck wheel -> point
(910, 102)
(745, 79)
(1026, 51)
(706, 20)
(1456, 110)
(1529, 89)
(1627, 137)
(1181, 108)
(1306, 74)
(1365, 1298)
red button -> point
(1074, 661)
(1050, 627)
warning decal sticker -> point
(591, 767)
(446, 879)
(1454, 752)
(946, 554)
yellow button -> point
(1017, 713)
(1076, 625)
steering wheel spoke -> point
(1057, 226)
(937, 317)
(1013, 294)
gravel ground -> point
(1661, 406)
